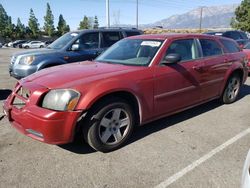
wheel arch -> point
(236, 70)
(130, 98)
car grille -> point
(20, 98)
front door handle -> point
(198, 68)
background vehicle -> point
(71, 47)
(137, 80)
(1, 45)
(33, 44)
(18, 42)
(48, 42)
(9, 44)
(239, 36)
(246, 49)
(245, 182)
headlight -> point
(27, 60)
(61, 99)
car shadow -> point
(4, 93)
(80, 147)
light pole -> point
(107, 14)
(137, 25)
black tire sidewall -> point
(92, 130)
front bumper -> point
(21, 71)
(45, 125)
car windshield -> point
(136, 52)
(63, 40)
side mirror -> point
(75, 47)
(172, 59)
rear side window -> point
(186, 48)
(210, 47)
(132, 33)
(109, 38)
(230, 46)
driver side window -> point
(88, 41)
(185, 48)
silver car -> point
(34, 44)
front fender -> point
(142, 91)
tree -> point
(96, 23)
(3, 20)
(20, 29)
(242, 16)
(49, 22)
(9, 29)
(33, 24)
(62, 27)
(84, 24)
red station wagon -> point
(136, 81)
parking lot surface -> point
(202, 147)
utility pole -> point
(137, 24)
(201, 18)
(107, 14)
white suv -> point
(34, 44)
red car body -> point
(156, 90)
(247, 51)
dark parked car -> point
(239, 36)
(137, 80)
(71, 47)
(48, 42)
(17, 43)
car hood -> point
(74, 74)
(37, 52)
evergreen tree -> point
(242, 16)
(49, 22)
(62, 27)
(33, 24)
(20, 29)
(84, 24)
(3, 20)
(9, 29)
(96, 23)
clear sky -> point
(73, 11)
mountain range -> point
(212, 17)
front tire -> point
(232, 89)
(109, 125)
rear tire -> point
(109, 125)
(231, 90)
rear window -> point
(132, 33)
(210, 47)
(230, 46)
(109, 38)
